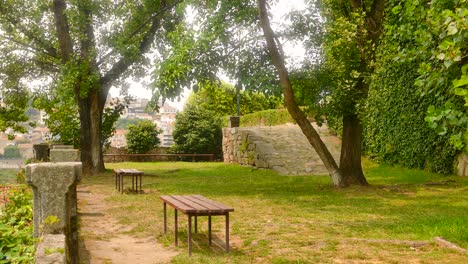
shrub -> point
(270, 117)
(197, 130)
(16, 228)
(142, 137)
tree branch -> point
(142, 25)
(47, 49)
(124, 63)
(63, 32)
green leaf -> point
(452, 29)
(460, 82)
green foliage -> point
(270, 117)
(11, 152)
(221, 99)
(437, 35)
(395, 131)
(197, 130)
(16, 228)
(63, 119)
(123, 123)
(142, 137)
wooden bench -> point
(136, 178)
(194, 206)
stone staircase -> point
(282, 148)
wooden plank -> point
(176, 204)
(188, 202)
(213, 207)
(222, 206)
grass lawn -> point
(302, 219)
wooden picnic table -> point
(136, 178)
(194, 206)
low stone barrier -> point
(55, 209)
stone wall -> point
(283, 148)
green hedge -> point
(395, 131)
(271, 117)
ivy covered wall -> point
(395, 130)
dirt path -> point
(103, 240)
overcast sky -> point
(279, 10)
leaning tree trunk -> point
(91, 122)
(350, 159)
(290, 101)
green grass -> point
(303, 219)
(8, 176)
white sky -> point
(294, 52)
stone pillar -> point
(234, 121)
(54, 187)
(64, 153)
(41, 151)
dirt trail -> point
(103, 240)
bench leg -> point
(189, 235)
(227, 232)
(165, 218)
(209, 230)
(175, 227)
(196, 225)
(133, 183)
(141, 189)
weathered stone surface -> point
(55, 211)
(282, 148)
(64, 155)
(51, 249)
(60, 146)
(51, 183)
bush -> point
(11, 152)
(16, 228)
(271, 117)
(197, 130)
(142, 137)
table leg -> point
(189, 235)
(175, 227)
(196, 225)
(165, 218)
(115, 180)
(227, 232)
(141, 189)
(121, 178)
(133, 183)
(209, 229)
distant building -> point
(164, 120)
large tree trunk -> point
(350, 159)
(91, 145)
(290, 101)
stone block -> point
(234, 121)
(41, 152)
(52, 183)
(51, 250)
(64, 155)
(61, 146)
(264, 148)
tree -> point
(81, 48)
(221, 99)
(353, 31)
(142, 137)
(198, 130)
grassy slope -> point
(302, 219)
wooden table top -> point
(196, 205)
